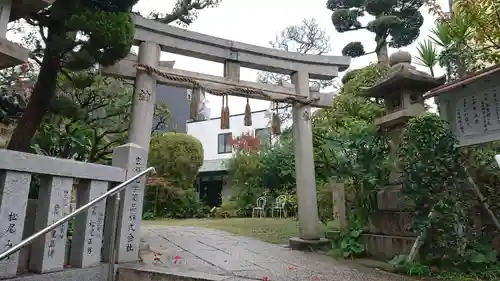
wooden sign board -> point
(473, 111)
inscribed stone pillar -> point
(144, 97)
(14, 188)
(88, 226)
(304, 162)
(48, 252)
(132, 158)
(338, 198)
(5, 7)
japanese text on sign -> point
(479, 113)
(132, 211)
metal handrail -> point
(114, 191)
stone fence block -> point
(44, 165)
(14, 188)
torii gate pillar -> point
(309, 234)
(143, 105)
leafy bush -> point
(347, 143)
(349, 243)
(164, 200)
(176, 157)
(435, 180)
(245, 171)
(325, 201)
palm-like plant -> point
(428, 55)
(453, 36)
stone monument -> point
(402, 91)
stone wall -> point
(57, 179)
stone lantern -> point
(402, 91)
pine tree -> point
(396, 23)
(77, 35)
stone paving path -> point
(218, 253)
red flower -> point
(316, 278)
(265, 278)
(177, 258)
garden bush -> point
(177, 157)
(162, 200)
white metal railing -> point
(114, 219)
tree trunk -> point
(39, 101)
(381, 50)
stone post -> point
(5, 8)
(14, 188)
(48, 253)
(132, 158)
(338, 200)
(304, 164)
(144, 97)
(88, 227)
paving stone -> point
(241, 258)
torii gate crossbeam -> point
(147, 70)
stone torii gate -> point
(147, 70)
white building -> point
(212, 179)
(216, 141)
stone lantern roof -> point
(403, 75)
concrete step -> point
(386, 247)
(97, 273)
(393, 223)
(138, 272)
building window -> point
(188, 96)
(264, 135)
(224, 143)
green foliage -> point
(245, 171)
(417, 269)
(344, 148)
(162, 200)
(396, 23)
(176, 157)
(349, 243)
(427, 55)
(353, 49)
(110, 36)
(435, 179)
(277, 165)
(88, 118)
(452, 46)
(432, 182)
(77, 35)
(347, 144)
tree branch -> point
(183, 9)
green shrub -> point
(245, 171)
(176, 157)
(166, 201)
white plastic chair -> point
(258, 210)
(279, 206)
